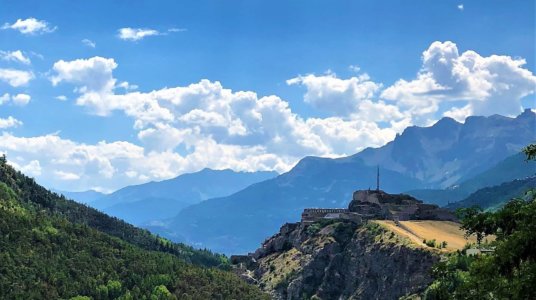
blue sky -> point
(323, 78)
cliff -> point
(335, 259)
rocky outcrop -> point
(340, 260)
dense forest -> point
(494, 197)
(51, 248)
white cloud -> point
(66, 175)
(127, 86)
(32, 168)
(460, 7)
(136, 34)
(61, 98)
(177, 30)
(214, 126)
(30, 26)
(338, 96)
(94, 77)
(95, 73)
(16, 56)
(9, 122)
(21, 99)
(89, 43)
(4, 98)
(187, 128)
(459, 113)
(15, 78)
(483, 85)
(354, 68)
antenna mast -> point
(378, 178)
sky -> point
(103, 94)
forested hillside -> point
(495, 197)
(54, 248)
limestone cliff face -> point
(340, 260)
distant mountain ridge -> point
(450, 152)
(432, 157)
(86, 197)
(142, 203)
(495, 197)
(513, 167)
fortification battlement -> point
(325, 210)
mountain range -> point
(494, 197)
(138, 204)
(513, 167)
(436, 157)
(85, 197)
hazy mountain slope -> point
(452, 151)
(492, 198)
(50, 249)
(511, 168)
(86, 197)
(238, 223)
(159, 200)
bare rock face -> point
(341, 260)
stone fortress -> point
(379, 205)
(365, 205)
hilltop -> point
(338, 259)
(334, 253)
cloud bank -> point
(204, 124)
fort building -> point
(379, 205)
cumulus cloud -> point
(16, 56)
(9, 122)
(127, 86)
(460, 7)
(30, 26)
(215, 126)
(484, 85)
(4, 98)
(21, 99)
(337, 96)
(93, 76)
(15, 78)
(66, 175)
(187, 128)
(136, 34)
(89, 43)
(32, 168)
(76, 166)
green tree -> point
(161, 293)
(530, 151)
(509, 272)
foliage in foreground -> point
(46, 254)
(509, 272)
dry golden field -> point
(441, 231)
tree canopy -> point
(509, 271)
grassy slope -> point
(417, 231)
